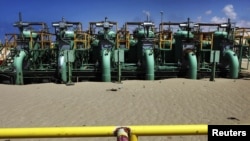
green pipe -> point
(149, 57)
(192, 71)
(106, 73)
(234, 63)
(63, 69)
(164, 49)
(18, 64)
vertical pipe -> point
(149, 58)
(234, 63)
(122, 135)
(240, 55)
(161, 26)
(133, 137)
(213, 68)
(18, 63)
(192, 71)
(119, 66)
(63, 69)
(70, 74)
(106, 71)
(69, 63)
(248, 57)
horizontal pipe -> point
(102, 131)
(159, 130)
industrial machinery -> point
(136, 50)
(147, 54)
(104, 53)
(176, 50)
(72, 48)
(175, 54)
(103, 43)
(27, 56)
(121, 54)
(216, 47)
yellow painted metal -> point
(169, 130)
(242, 33)
(124, 39)
(10, 40)
(45, 40)
(83, 38)
(48, 132)
(166, 36)
(206, 39)
(31, 40)
(133, 137)
(127, 40)
(103, 131)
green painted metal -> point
(179, 37)
(183, 34)
(149, 59)
(65, 65)
(223, 34)
(69, 34)
(111, 34)
(132, 42)
(63, 69)
(141, 33)
(192, 71)
(219, 36)
(28, 33)
(18, 64)
(106, 65)
(234, 63)
(72, 60)
(214, 58)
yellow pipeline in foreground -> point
(103, 131)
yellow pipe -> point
(103, 131)
(171, 41)
(155, 130)
(47, 132)
(133, 137)
(127, 39)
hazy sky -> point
(122, 11)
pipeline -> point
(234, 63)
(106, 71)
(149, 57)
(18, 64)
(192, 71)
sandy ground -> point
(161, 102)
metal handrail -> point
(104, 131)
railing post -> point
(122, 134)
(133, 137)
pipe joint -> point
(122, 133)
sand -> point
(133, 102)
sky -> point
(121, 11)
